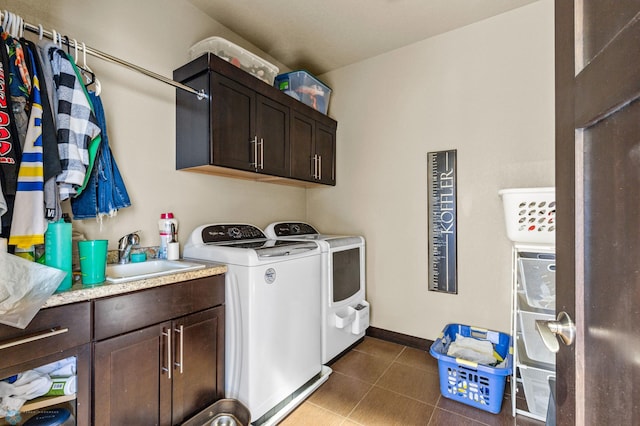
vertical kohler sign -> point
(442, 223)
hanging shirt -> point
(29, 225)
(105, 193)
(19, 85)
(51, 157)
(10, 149)
(77, 125)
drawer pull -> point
(180, 331)
(167, 334)
(33, 337)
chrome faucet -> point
(125, 244)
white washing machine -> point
(344, 310)
(272, 316)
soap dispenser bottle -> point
(168, 227)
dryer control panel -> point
(221, 233)
(285, 229)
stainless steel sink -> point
(119, 273)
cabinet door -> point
(79, 404)
(198, 369)
(272, 132)
(130, 384)
(326, 151)
(233, 124)
(302, 151)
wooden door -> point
(233, 124)
(199, 362)
(303, 131)
(130, 386)
(598, 209)
(272, 130)
(326, 151)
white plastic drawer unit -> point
(535, 381)
(537, 279)
(533, 344)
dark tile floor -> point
(383, 383)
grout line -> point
(374, 384)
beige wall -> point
(140, 111)
(486, 90)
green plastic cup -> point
(93, 261)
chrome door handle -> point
(180, 331)
(254, 142)
(562, 327)
(315, 166)
(168, 368)
(261, 154)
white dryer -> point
(344, 310)
(272, 316)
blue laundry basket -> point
(477, 385)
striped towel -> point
(29, 224)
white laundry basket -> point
(530, 214)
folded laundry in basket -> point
(475, 350)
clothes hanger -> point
(20, 27)
(6, 20)
(88, 74)
(40, 32)
(7, 23)
(15, 26)
(85, 67)
(66, 41)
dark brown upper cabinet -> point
(248, 129)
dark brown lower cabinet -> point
(163, 373)
(54, 334)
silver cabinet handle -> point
(180, 331)
(33, 337)
(563, 327)
(167, 334)
(315, 166)
(254, 142)
(319, 167)
(261, 154)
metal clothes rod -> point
(105, 56)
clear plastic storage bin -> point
(535, 381)
(538, 281)
(306, 88)
(236, 55)
(533, 344)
